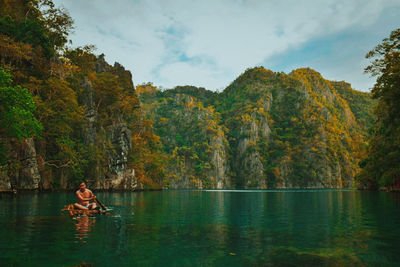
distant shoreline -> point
(28, 192)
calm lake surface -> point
(203, 228)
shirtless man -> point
(84, 195)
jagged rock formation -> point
(90, 113)
(108, 143)
(310, 134)
(82, 113)
(279, 130)
(22, 171)
(192, 137)
(265, 130)
(29, 177)
(115, 142)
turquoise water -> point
(205, 228)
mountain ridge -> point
(279, 130)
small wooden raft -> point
(74, 211)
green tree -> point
(16, 110)
(382, 166)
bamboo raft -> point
(74, 211)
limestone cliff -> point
(290, 131)
(275, 130)
(265, 130)
(105, 132)
(66, 115)
(112, 138)
(21, 172)
(192, 137)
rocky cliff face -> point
(249, 166)
(291, 131)
(90, 113)
(114, 140)
(279, 130)
(120, 176)
(83, 113)
(107, 145)
(193, 139)
(22, 171)
(218, 172)
(265, 130)
(29, 177)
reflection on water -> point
(211, 228)
(83, 226)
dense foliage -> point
(382, 166)
(274, 130)
(265, 130)
(88, 110)
(16, 110)
(360, 103)
(306, 136)
(191, 135)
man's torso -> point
(85, 194)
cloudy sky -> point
(208, 43)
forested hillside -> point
(66, 115)
(265, 130)
(192, 136)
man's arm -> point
(92, 197)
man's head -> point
(82, 187)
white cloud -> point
(209, 43)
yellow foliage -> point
(276, 172)
(251, 143)
(146, 88)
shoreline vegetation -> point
(67, 115)
(16, 193)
